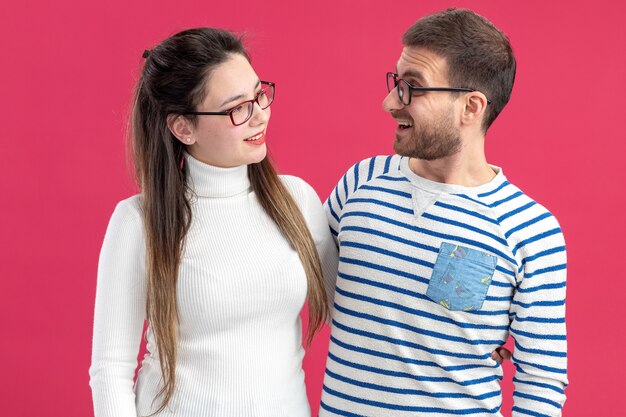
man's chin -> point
(398, 148)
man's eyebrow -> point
(239, 96)
(413, 74)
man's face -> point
(427, 127)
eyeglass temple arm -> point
(209, 113)
(455, 89)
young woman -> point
(217, 253)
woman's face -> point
(216, 141)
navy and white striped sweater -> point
(432, 278)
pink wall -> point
(66, 74)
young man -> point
(441, 258)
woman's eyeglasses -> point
(242, 112)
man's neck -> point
(466, 168)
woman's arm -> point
(315, 218)
(119, 313)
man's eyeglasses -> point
(406, 90)
(242, 112)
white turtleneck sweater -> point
(240, 291)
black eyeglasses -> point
(242, 112)
(406, 90)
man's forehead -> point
(421, 63)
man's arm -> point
(358, 175)
(538, 324)
(333, 206)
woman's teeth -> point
(255, 137)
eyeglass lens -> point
(391, 82)
(402, 87)
(243, 112)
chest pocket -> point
(461, 277)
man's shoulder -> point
(522, 217)
(370, 169)
(511, 199)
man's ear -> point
(180, 128)
(474, 108)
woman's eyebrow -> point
(239, 96)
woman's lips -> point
(258, 139)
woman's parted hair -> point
(173, 82)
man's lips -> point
(403, 123)
(403, 126)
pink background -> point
(66, 77)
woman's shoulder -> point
(128, 211)
(310, 206)
(301, 191)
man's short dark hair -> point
(478, 54)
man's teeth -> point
(255, 137)
(403, 124)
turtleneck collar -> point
(215, 182)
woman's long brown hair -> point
(173, 82)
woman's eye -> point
(237, 109)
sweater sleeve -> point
(313, 213)
(119, 313)
(324, 242)
(358, 175)
(338, 197)
(538, 324)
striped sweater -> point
(432, 278)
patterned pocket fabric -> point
(461, 277)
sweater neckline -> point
(215, 182)
(442, 188)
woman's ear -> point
(180, 128)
